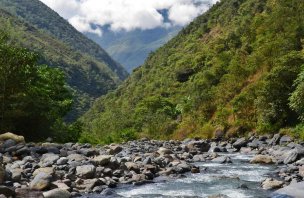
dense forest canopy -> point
(237, 68)
(90, 71)
(33, 97)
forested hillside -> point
(44, 18)
(89, 70)
(237, 68)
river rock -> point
(102, 160)
(8, 192)
(200, 146)
(16, 174)
(292, 156)
(48, 159)
(241, 142)
(285, 139)
(114, 149)
(262, 159)
(295, 190)
(270, 183)
(62, 161)
(76, 158)
(300, 162)
(301, 171)
(132, 166)
(222, 160)
(28, 193)
(85, 171)
(41, 181)
(275, 139)
(8, 135)
(57, 193)
(218, 196)
(46, 170)
(164, 151)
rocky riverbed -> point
(74, 170)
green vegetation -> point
(33, 97)
(89, 76)
(238, 67)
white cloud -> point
(127, 14)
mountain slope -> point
(87, 76)
(232, 68)
(132, 48)
(42, 17)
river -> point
(240, 179)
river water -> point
(237, 180)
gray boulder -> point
(295, 190)
(41, 182)
(241, 142)
(275, 140)
(85, 171)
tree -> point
(32, 97)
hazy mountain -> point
(133, 47)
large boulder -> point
(85, 171)
(11, 136)
(56, 193)
(262, 159)
(41, 182)
(295, 190)
(270, 183)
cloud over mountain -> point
(127, 15)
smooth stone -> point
(41, 181)
(222, 160)
(102, 160)
(56, 193)
(295, 190)
(114, 149)
(28, 193)
(270, 183)
(46, 170)
(76, 157)
(292, 156)
(275, 140)
(262, 159)
(85, 171)
(241, 142)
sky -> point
(127, 15)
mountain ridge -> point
(231, 69)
